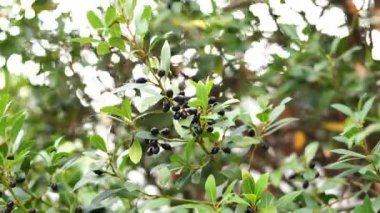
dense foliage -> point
(184, 119)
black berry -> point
(141, 80)
(32, 210)
(12, 184)
(195, 119)
(185, 104)
(161, 73)
(176, 108)
(153, 142)
(251, 133)
(248, 210)
(179, 99)
(317, 175)
(292, 176)
(10, 204)
(10, 157)
(98, 172)
(165, 105)
(165, 131)
(149, 152)
(264, 146)
(305, 184)
(210, 129)
(54, 187)
(226, 150)
(312, 164)
(211, 122)
(78, 210)
(182, 93)
(212, 100)
(183, 114)
(156, 149)
(221, 112)
(214, 150)
(192, 111)
(177, 116)
(169, 93)
(166, 146)
(198, 130)
(20, 179)
(154, 131)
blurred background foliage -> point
(62, 85)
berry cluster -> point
(154, 145)
(179, 104)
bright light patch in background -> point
(376, 44)
(257, 57)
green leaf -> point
(135, 152)
(348, 153)
(145, 135)
(189, 149)
(201, 208)
(112, 111)
(163, 176)
(165, 58)
(367, 131)
(210, 187)
(203, 91)
(244, 141)
(117, 42)
(98, 143)
(366, 207)
(278, 125)
(115, 30)
(4, 104)
(83, 40)
(343, 109)
(252, 198)
(230, 188)
(238, 200)
(334, 45)
(126, 108)
(263, 116)
(248, 183)
(154, 204)
(277, 111)
(110, 16)
(59, 156)
(104, 195)
(196, 177)
(142, 23)
(367, 107)
(17, 125)
(310, 151)
(24, 146)
(103, 48)
(209, 85)
(289, 30)
(261, 185)
(94, 20)
(287, 199)
(182, 181)
(130, 8)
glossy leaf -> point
(135, 152)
